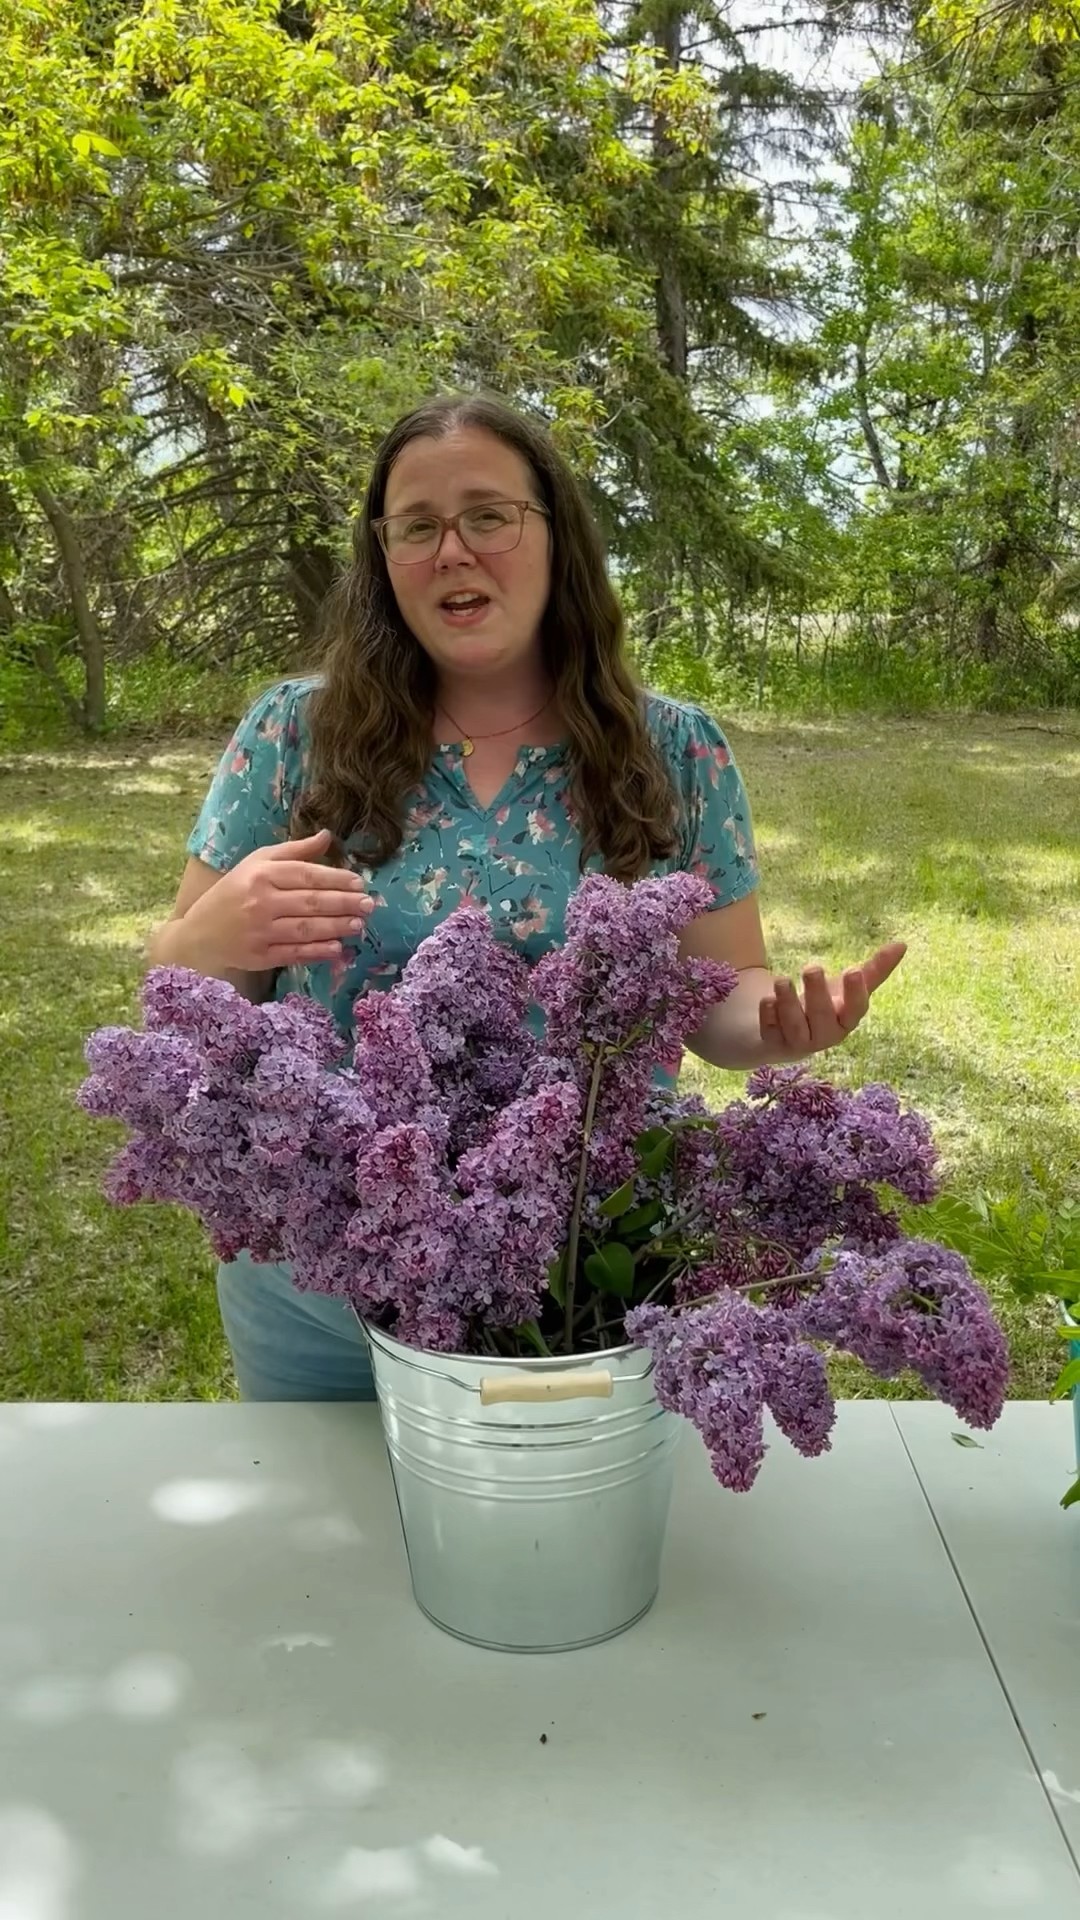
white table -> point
(1018, 1560)
(218, 1701)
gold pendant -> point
(466, 747)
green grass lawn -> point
(960, 836)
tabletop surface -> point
(1017, 1556)
(218, 1700)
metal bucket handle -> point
(571, 1384)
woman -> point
(476, 729)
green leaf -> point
(238, 395)
(650, 1138)
(556, 1279)
(82, 143)
(1067, 1379)
(531, 1333)
(652, 1149)
(619, 1201)
(965, 1440)
(101, 145)
(1071, 1498)
(654, 1163)
(612, 1269)
(641, 1219)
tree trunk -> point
(1009, 551)
(67, 542)
(1006, 550)
(670, 303)
(310, 571)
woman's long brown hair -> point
(370, 720)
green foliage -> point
(236, 241)
(1029, 1238)
(611, 1269)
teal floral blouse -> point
(518, 856)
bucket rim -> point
(491, 1362)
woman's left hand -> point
(793, 1027)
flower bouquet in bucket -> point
(555, 1255)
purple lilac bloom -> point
(720, 1365)
(915, 1305)
(807, 1157)
(342, 1118)
(467, 994)
(708, 1368)
(517, 1193)
(402, 1227)
(797, 1391)
(428, 1177)
(619, 975)
(227, 1026)
(391, 1067)
(619, 969)
(463, 983)
(140, 1077)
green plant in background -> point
(1028, 1241)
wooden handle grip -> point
(597, 1385)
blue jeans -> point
(289, 1345)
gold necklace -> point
(468, 739)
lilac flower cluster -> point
(807, 1158)
(720, 1366)
(468, 999)
(617, 997)
(438, 1173)
(223, 1098)
(914, 1305)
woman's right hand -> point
(276, 908)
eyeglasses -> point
(496, 526)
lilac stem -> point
(748, 1286)
(574, 1234)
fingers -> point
(820, 1011)
(807, 1025)
(304, 956)
(306, 928)
(322, 903)
(313, 909)
(317, 930)
(290, 874)
(829, 1010)
(308, 911)
(791, 1021)
(294, 943)
(856, 1000)
(300, 849)
(884, 961)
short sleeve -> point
(258, 776)
(717, 829)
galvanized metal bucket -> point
(533, 1494)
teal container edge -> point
(1074, 1351)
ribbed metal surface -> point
(531, 1528)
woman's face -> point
(464, 469)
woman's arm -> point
(765, 1022)
(731, 1035)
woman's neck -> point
(485, 708)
